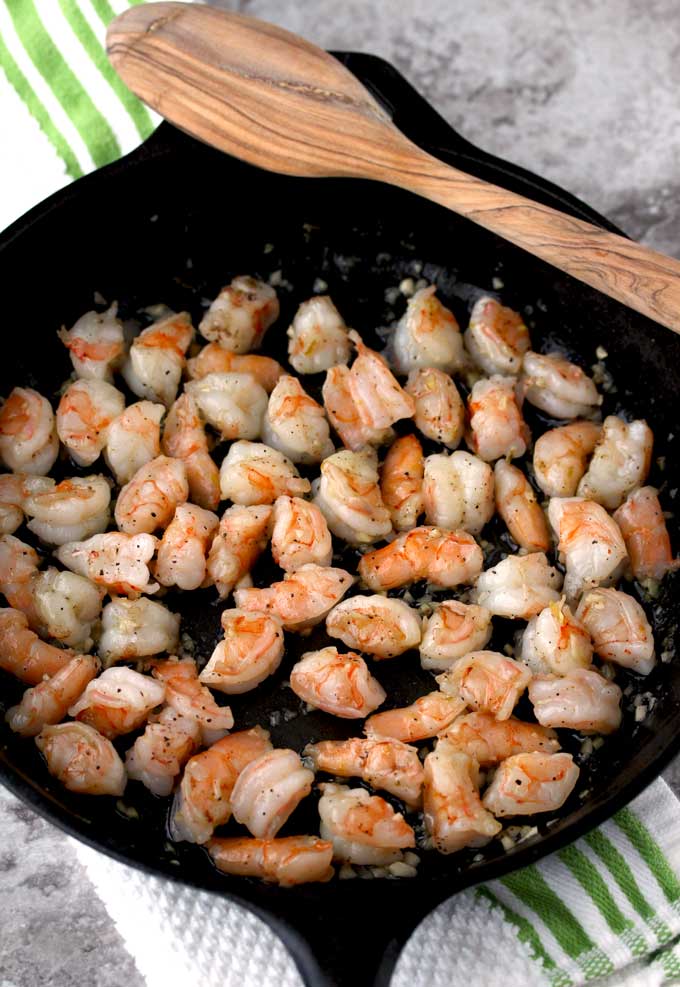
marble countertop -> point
(584, 94)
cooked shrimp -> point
(203, 800)
(302, 599)
(241, 314)
(348, 495)
(157, 757)
(252, 649)
(295, 424)
(317, 337)
(619, 628)
(234, 404)
(241, 538)
(458, 491)
(490, 741)
(67, 607)
(81, 759)
(426, 717)
(11, 518)
(340, 684)
(48, 701)
(589, 541)
(620, 462)
(377, 625)
(517, 505)
(496, 337)
(427, 335)
(558, 387)
(185, 693)
(253, 473)
(118, 562)
(363, 828)
(70, 510)
(581, 700)
(84, 416)
(136, 629)
(378, 397)
(117, 701)
(133, 439)
(385, 764)
(561, 455)
(343, 413)
(184, 438)
(23, 654)
(453, 631)
(487, 682)
(13, 488)
(453, 811)
(555, 641)
(518, 587)
(268, 791)
(644, 531)
(440, 412)
(286, 861)
(149, 500)
(28, 433)
(529, 783)
(183, 548)
(300, 534)
(95, 344)
(497, 428)
(444, 558)
(19, 564)
(214, 359)
(153, 368)
(401, 482)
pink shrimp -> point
(444, 558)
(343, 413)
(268, 791)
(363, 828)
(241, 538)
(300, 534)
(49, 701)
(287, 861)
(387, 764)
(81, 759)
(187, 695)
(23, 654)
(401, 482)
(28, 432)
(496, 337)
(517, 505)
(528, 783)
(440, 411)
(487, 682)
(426, 717)
(644, 531)
(340, 684)
(561, 454)
(252, 649)
(491, 741)
(302, 599)
(215, 359)
(497, 428)
(183, 548)
(375, 391)
(157, 757)
(453, 812)
(149, 500)
(184, 438)
(118, 701)
(84, 415)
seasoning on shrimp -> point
(458, 491)
(619, 628)
(378, 397)
(117, 701)
(215, 359)
(582, 700)
(241, 314)
(295, 424)
(556, 641)
(241, 538)
(23, 654)
(153, 368)
(343, 413)
(65, 607)
(490, 741)
(386, 764)
(149, 500)
(317, 337)
(561, 456)
(251, 650)
(364, 829)
(286, 860)
(48, 701)
(590, 544)
(519, 586)
(427, 335)
(454, 815)
(114, 560)
(440, 411)
(84, 416)
(426, 717)
(69, 511)
(13, 489)
(187, 695)
(340, 684)
(525, 784)
(444, 558)
(254, 473)
(558, 387)
(183, 548)
(234, 404)
(136, 629)
(133, 439)
(497, 428)
(81, 759)
(377, 625)
(268, 790)
(302, 599)
(452, 631)
(487, 682)
(620, 462)
(348, 495)
(157, 757)
(517, 505)
(300, 534)
(496, 337)
(184, 438)
(401, 482)
(28, 433)
(95, 344)
(644, 531)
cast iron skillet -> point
(172, 223)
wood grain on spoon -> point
(271, 98)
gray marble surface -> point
(584, 93)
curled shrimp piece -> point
(116, 561)
(340, 684)
(589, 541)
(136, 629)
(203, 800)
(620, 462)
(183, 548)
(302, 599)
(295, 424)
(619, 628)
(385, 764)
(317, 337)
(300, 534)
(519, 587)
(444, 558)
(133, 439)
(234, 404)
(254, 473)
(241, 538)
(215, 359)
(187, 695)
(149, 500)
(117, 701)
(48, 702)
(454, 815)
(348, 495)
(440, 411)
(13, 489)
(644, 531)
(377, 625)
(241, 314)
(343, 413)
(157, 757)
(19, 564)
(497, 428)
(28, 433)
(67, 607)
(378, 397)
(69, 511)
(11, 518)
(490, 741)
(581, 700)
(496, 337)
(525, 784)
(84, 416)
(363, 828)
(451, 632)
(561, 455)
(458, 491)
(81, 759)
(153, 368)
(426, 717)
(286, 861)
(427, 335)
(268, 791)
(95, 343)
(184, 438)
(401, 482)
(23, 654)
(252, 650)
(517, 505)
(487, 682)
(558, 387)
(555, 641)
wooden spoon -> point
(273, 99)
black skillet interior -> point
(172, 223)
